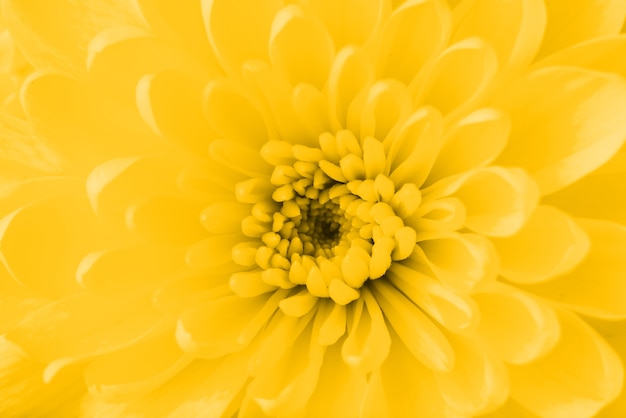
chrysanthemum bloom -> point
(314, 208)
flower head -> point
(314, 208)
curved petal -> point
(498, 200)
(600, 194)
(300, 47)
(84, 128)
(171, 104)
(514, 29)
(42, 243)
(350, 22)
(24, 392)
(516, 326)
(478, 383)
(340, 390)
(136, 370)
(415, 330)
(596, 286)
(549, 244)
(125, 270)
(56, 34)
(412, 36)
(83, 326)
(386, 104)
(585, 131)
(410, 387)
(461, 261)
(182, 23)
(474, 141)
(225, 325)
(561, 385)
(24, 155)
(351, 72)
(239, 30)
(459, 77)
(570, 22)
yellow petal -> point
(66, 112)
(585, 131)
(455, 311)
(367, 344)
(459, 76)
(474, 141)
(83, 326)
(24, 155)
(181, 23)
(350, 73)
(166, 220)
(414, 329)
(403, 50)
(225, 325)
(599, 195)
(571, 22)
(226, 104)
(23, 391)
(478, 383)
(301, 47)
(387, 103)
(285, 391)
(561, 385)
(56, 35)
(182, 293)
(340, 389)
(126, 270)
(461, 261)
(497, 200)
(516, 326)
(414, 150)
(171, 104)
(514, 29)
(350, 22)
(136, 370)
(595, 286)
(549, 244)
(118, 57)
(239, 30)
(57, 233)
(410, 387)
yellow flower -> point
(314, 208)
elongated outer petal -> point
(171, 104)
(301, 47)
(571, 22)
(411, 38)
(474, 141)
(24, 393)
(599, 195)
(224, 325)
(204, 389)
(561, 385)
(83, 326)
(134, 371)
(595, 286)
(549, 244)
(239, 30)
(516, 326)
(514, 29)
(57, 34)
(24, 155)
(479, 382)
(340, 389)
(349, 22)
(57, 233)
(584, 131)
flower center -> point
(329, 219)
